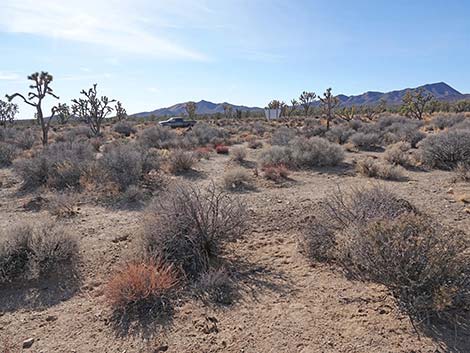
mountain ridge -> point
(440, 90)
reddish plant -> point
(275, 173)
(221, 149)
(141, 284)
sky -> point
(155, 53)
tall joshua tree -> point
(306, 100)
(92, 109)
(328, 104)
(7, 112)
(40, 89)
(415, 103)
(190, 108)
(121, 113)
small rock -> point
(50, 318)
(450, 191)
(162, 348)
(28, 343)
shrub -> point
(339, 134)
(238, 154)
(7, 154)
(59, 166)
(186, 227)
(141, 286)
(181, 161)
(276, 173)
(422, 263)
(365, 141)
(221, 149)
(122, 165)
(371, 168)
(158, 137)
(124, 128)
(407, 132)
(462, 172)
(34, 250)
(276, 155)
(203, 134)
(446, 149)
(443, 121)
(398, 154)
(237, 179)
(215, 286)
(254, 144)
(282, 136)
(25, 139)
(315, 152)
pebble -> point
(28, 343)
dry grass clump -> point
(374, 235)
(181, 161)
(238, 154)
(187, 226)
(462, 172)
(237, 179)
(399, 154)
(372, 168)
(59, 166)
(446, 149)
(215, 286)
(8, 153)
(34, 250)
(141, 286)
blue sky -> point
(154, 53)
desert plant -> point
(276, 173)
(181, 161)
(33, 250)
(158, 137)
(282, 136)
(443, 121)
(306, 100)
(328, 104)
(398, 154)
(41, 89)
(237, 179)
(415, 103)
(7, 154)
(124, 128)
(446, 149)
(187, 226)
(315, 152)
(254, 144)
(221, 149)
(462, 172)
(215, 286)
(190, 108)
(92, 109)
(121, 113)
(339, 134)
(203, 134)
(139, 287)
(365, 141)
(25, 139)
(238, 154)
(276, 155)
(372, 168)
(7, 113)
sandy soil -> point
(285, 303)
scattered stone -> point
(450, 191)
(51, 318)
(162, 348)
(28, 343)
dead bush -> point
(34, 250)
(141, 287)
(186, 227)
(8, 153)
(181, 161)
(372, 168)
(446, 149)
(238, 154)
(237, 179)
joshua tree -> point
(415, 103)
(306, 100)
(228, 110)
(294, 104)
(190, 108)
(62, 112)
(121, 113)
(347, 113)
(7, 112)
(372, 111)
(328, 104)
(92, 109)
(40, 89)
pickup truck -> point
(177, 122)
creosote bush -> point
(34, 250)
(186, 227)
(446, 149)
(315, 152)
(141, 286)
(376, 236)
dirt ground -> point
(285, 304)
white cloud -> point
(8, 76)
(111, 24)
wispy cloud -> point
(112, 24)
(9, 76)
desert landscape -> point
(320, 231)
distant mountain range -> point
(441, 91)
